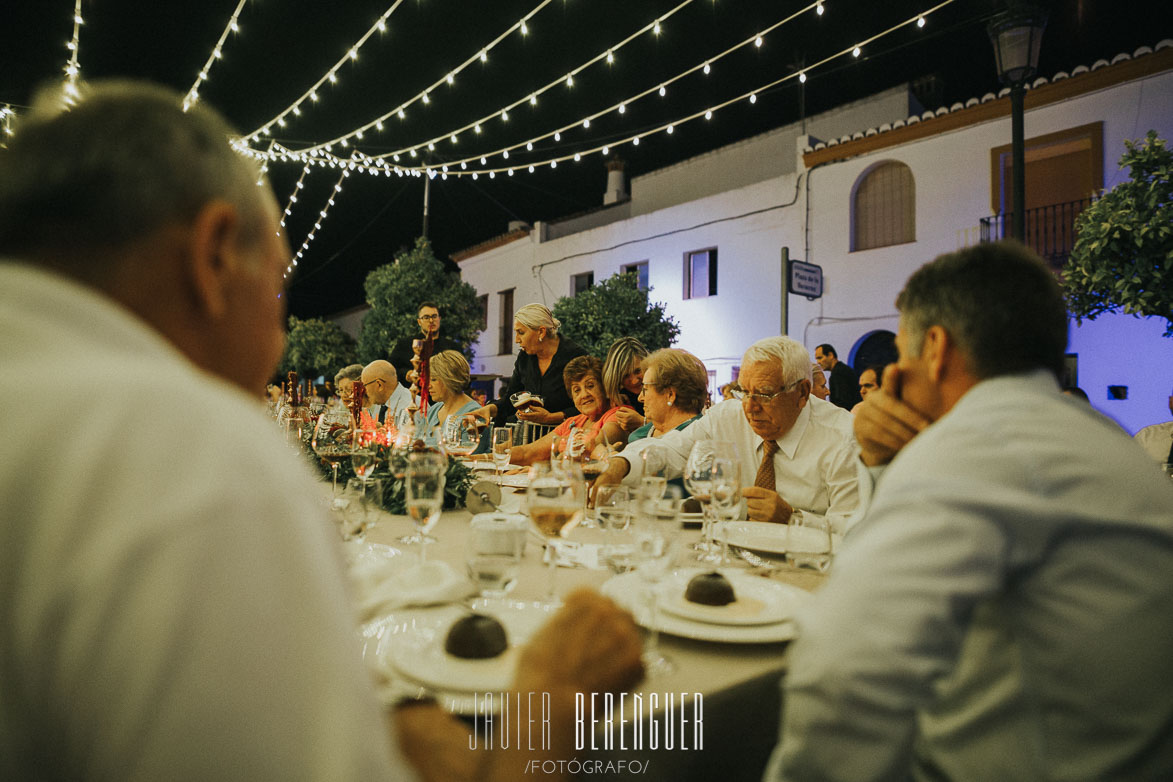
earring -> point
(669, 403)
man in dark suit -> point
(844, 383)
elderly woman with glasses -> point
(595, 421)
(675, 387)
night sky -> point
(284, 46)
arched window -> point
(883, 208)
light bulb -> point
(453, 138)
(505, 154)
(570, 80)
(529, 146)
(819, 9)
(557, 136)
(663, 91)
(477, 128)
(920, 22)
(610, 57)
(484, 161)
(353, 54)
(463, 165)
(505, 116)
(379, 125)
(606, 150)
(402, 114)
(451, 79)
(484, 56)
(707, 68)
(586, 123)
(314, 97)
(758, 42)
(753, 98)
(855, 52)
(333, 78)
(709, 114)
(670, 128)
(553, 164)
(622, 108)
(635, 141)
(802, 77)
(425, 98)
(533, 100)
(531, 169)
(577, 157)
(431, 147)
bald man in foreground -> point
(174, 606)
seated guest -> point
(622, 380)
(595, 423)
(386, 396)
(538, 370)
(344, 382)
(1157, 439)
(144, 594)
(869, 381)
(819, 388)
(449, 377)
(1004, 610)
(675, 386)
(794, 456)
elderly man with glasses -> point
(793, 453)
(386, 394)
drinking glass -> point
(726, 501)
(808, 541)
(424, 479)
(502, 442)
(698, 479)
(333, 438)
(353, 509)
(656, 528)
(493, 553)
(556, 503)
(613, 507)
(362, 457)
(461, 435)
(652, 486)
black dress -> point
(527, 377)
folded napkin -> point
(384, 584)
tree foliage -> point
(615, 308)
(317, 347)
(1123, 254)
(395, 291)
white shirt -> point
(1156, 440)
(814, 466)
(1003, 611)
(400, 398)
(173, 605)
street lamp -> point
(1017, 35)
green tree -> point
(317, 347)
(1123, 254)
(394, 292)
(615, 308)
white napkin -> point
(574, 554)
(384, 584)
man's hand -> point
(591, 645)
(616, 471)
(766, 505)
(884, 423)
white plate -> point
(629, 590)
(759, 602)
(412, 646)
(764, 536)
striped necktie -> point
(765, 476)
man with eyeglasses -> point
(386, 394)
(428, 318)
(792, 451)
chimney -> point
(517, 225)
(616, 182)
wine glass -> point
(726, 501)
(502, 442)
(424, 480)
(698, 479)
(363, 456)
(353, 509)
(656, 528)
(493, 553)
(461, 435)
(556, 503)
(333, 438)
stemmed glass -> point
(501, 444)
(362, 457)
(698, 479)
(556, 503)
(333, 438)
(613, 507)
(726, 501)
(424, 480)
(656, 528)
(461, 435)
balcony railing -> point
(1050, 230)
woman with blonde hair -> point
(448, 380)
(538, 370)
(623, 380)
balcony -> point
(1050, 230)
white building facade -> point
(713, 231)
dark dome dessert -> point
(476, 637)
(710, 589)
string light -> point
(293, 195)
(819, 9)
(193, 94)
(920, 22)
(855, 52)
(73, 67)
(374, 165)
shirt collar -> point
(788, 443)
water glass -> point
(502, 443)
(493, 552)
(656, 527)
(808, 541)
(613, 506)
(353, 510)
(424, 489)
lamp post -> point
(1017, 35)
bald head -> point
(380, 380)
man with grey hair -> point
(1005, 608)
(154, 560)
(793, 454)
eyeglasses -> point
(429, 317)
(764, 399)
(654, 386)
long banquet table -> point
(738, 681)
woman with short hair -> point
(675, 388)
(448, 380)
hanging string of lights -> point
(6, 114)
(317, 224)
(73, 66)
(331, 75)
(660, 88)
(459, 167)
(233, 26)
(531, 97)
(300, 184)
